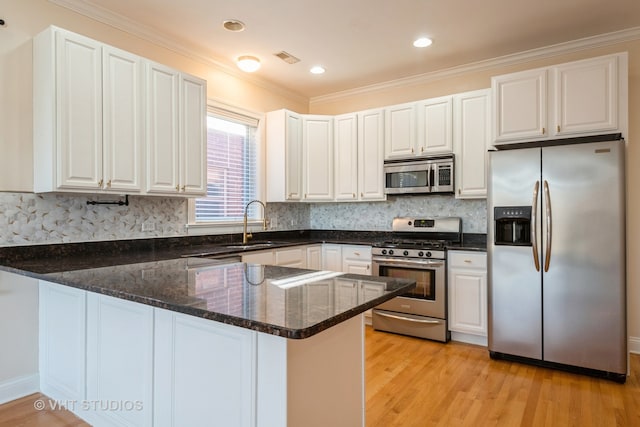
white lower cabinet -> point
(467, 279)
(62, 342)
(314, 257)
(295, 257)
(356, 259)
(119, 362)
(332, 257)
(258, 257)
(204, 372)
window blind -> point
(231, 167)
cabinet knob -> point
(361, 194)
(184, 188)
(100, 183)
(459, 191)
(109, 184)
(354, 195)
(422, 149)
(356, 253)
(368, 266)
(543, 130)
(412, 151)
(558, 128)
(177, 188)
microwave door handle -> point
(431, 177)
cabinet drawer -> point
(468, 259)
(356, 252)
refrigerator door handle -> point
(534, 228)
(548, 215)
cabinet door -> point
(371, 155)
(79, 111)
(356, 259)
(123, 120)
(318, 157)
(586, 96)
(331, 257)
(204, 372)
(520, 105)
(468, 293)
(259, 257)
(314, 257)
(291, 257)
(346, 294)
(62, 341)
(120, 358)
(400, 131)
(472, 137)
(193, 141)
(435, 126)
(346, 156)
(162, 129)
(293, 156)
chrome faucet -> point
(246, 236)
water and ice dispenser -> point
(512, 225)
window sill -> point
(199, 229)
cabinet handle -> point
(368, 266)
(422, 149)
(558, 128)
(177, 188)
(361, 194)
(468, 261)
(354, 195)
(109, 184)
(543, 130)
(356, 253)
(459, 191)
(184, 187)
(100, 183)
(412, 151)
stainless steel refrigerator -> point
(556, 256)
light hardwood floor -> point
(414, 382)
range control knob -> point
(390, 251)
(384, 252)
(420, 253)
(405, 253)
(428, 254)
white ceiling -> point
(360, 42)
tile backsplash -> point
(27, 218)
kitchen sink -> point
(256, 245)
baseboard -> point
(469, 338)
(16, 388)
(634, 345)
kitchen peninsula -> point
(194, 341)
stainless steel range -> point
(418, 252)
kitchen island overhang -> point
(207, 339)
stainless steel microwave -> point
(416, 176)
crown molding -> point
(602, 40)
(127, 25)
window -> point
(232, 168)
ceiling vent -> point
(287, 57)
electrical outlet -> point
(148, 226)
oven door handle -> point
(414, 263)
(408, 319)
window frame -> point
(233, 226)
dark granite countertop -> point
(235, 293)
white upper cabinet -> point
(67, 96)
(586, 96)
(359, 156)
(284, 156)
(123, 120)
(579, 98)
(472, 140)
(371, 155)
(520, 105)
(176, 132)
(346, 156)
(435, 126)
(317, 137)
(97, 117)
(400, 131)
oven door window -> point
(425, 280)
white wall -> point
(18, 336)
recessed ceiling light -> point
(317, 69)
(248, 63)
(233, 25)
(422, 42)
